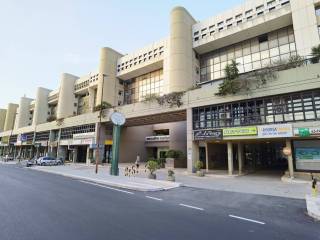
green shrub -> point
(174, 154)
(198, 165)
(152, 166)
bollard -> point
(314, 186)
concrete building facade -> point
(168, 93)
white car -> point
(46, 161)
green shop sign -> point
(240, 131)
(304, 132)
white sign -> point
(275, 131)
(83, 135)
(118, 118)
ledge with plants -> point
(171, 100)
(235, 82)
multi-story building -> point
(271, 125)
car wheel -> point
(42, 164)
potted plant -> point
(152, 166)
(198, 166)
(174, 158)
(171, 176)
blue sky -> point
(40, 39)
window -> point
(249, 12)
(292, 107)
(263, 38)
(142, 86)
(239, 16)
(317, 10)
(196, 33)
(251, 54)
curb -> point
(133, 186)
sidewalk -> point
(264, 184)
(86, 173)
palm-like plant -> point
(315, 52)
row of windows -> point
(86, 83)
(278, 109)
(67, 133)
(141, 58)
(42, 136)
(142, 86)
(239, 18)
(250, 55)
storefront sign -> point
(83, 135)
(108, 142)
(208, 134)
(308, 158)
(307, 132)
(240, 131)
(53, 144)
(275, 131)
(307, 154)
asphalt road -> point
(36, 205)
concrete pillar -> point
(3, 113)
(107, 77)
(207, 157)
(305, 25)
(41, 107)
(75, 155)
(290, 159)
(230, 158)
(88, 156)
(240, 157)
(23, 116)
(10, 116)
(181, 56)
(192, 146)
(91, 99)
(66, 102)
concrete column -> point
(305, 25)
(240, 157)
(41, 108)
(290, 159)
(75, 155)
(88, 156)
(3, 113)
(10, 117)
(207, 157)
(192, 146)
(23, 116)
(66, 101)
(181, 57)
(107, 78)
(230, 158)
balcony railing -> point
(160, 138)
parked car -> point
(8, 158)
(46, 161)
(31, 162)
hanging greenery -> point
(315, 52)
(171, 99)
(104, 105)
(230, 84)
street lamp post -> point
(99, 126)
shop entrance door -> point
(265, 156)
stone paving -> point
(265, 183)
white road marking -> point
(189, 206)
(154, 198)
(111, 188)
(247, 219)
